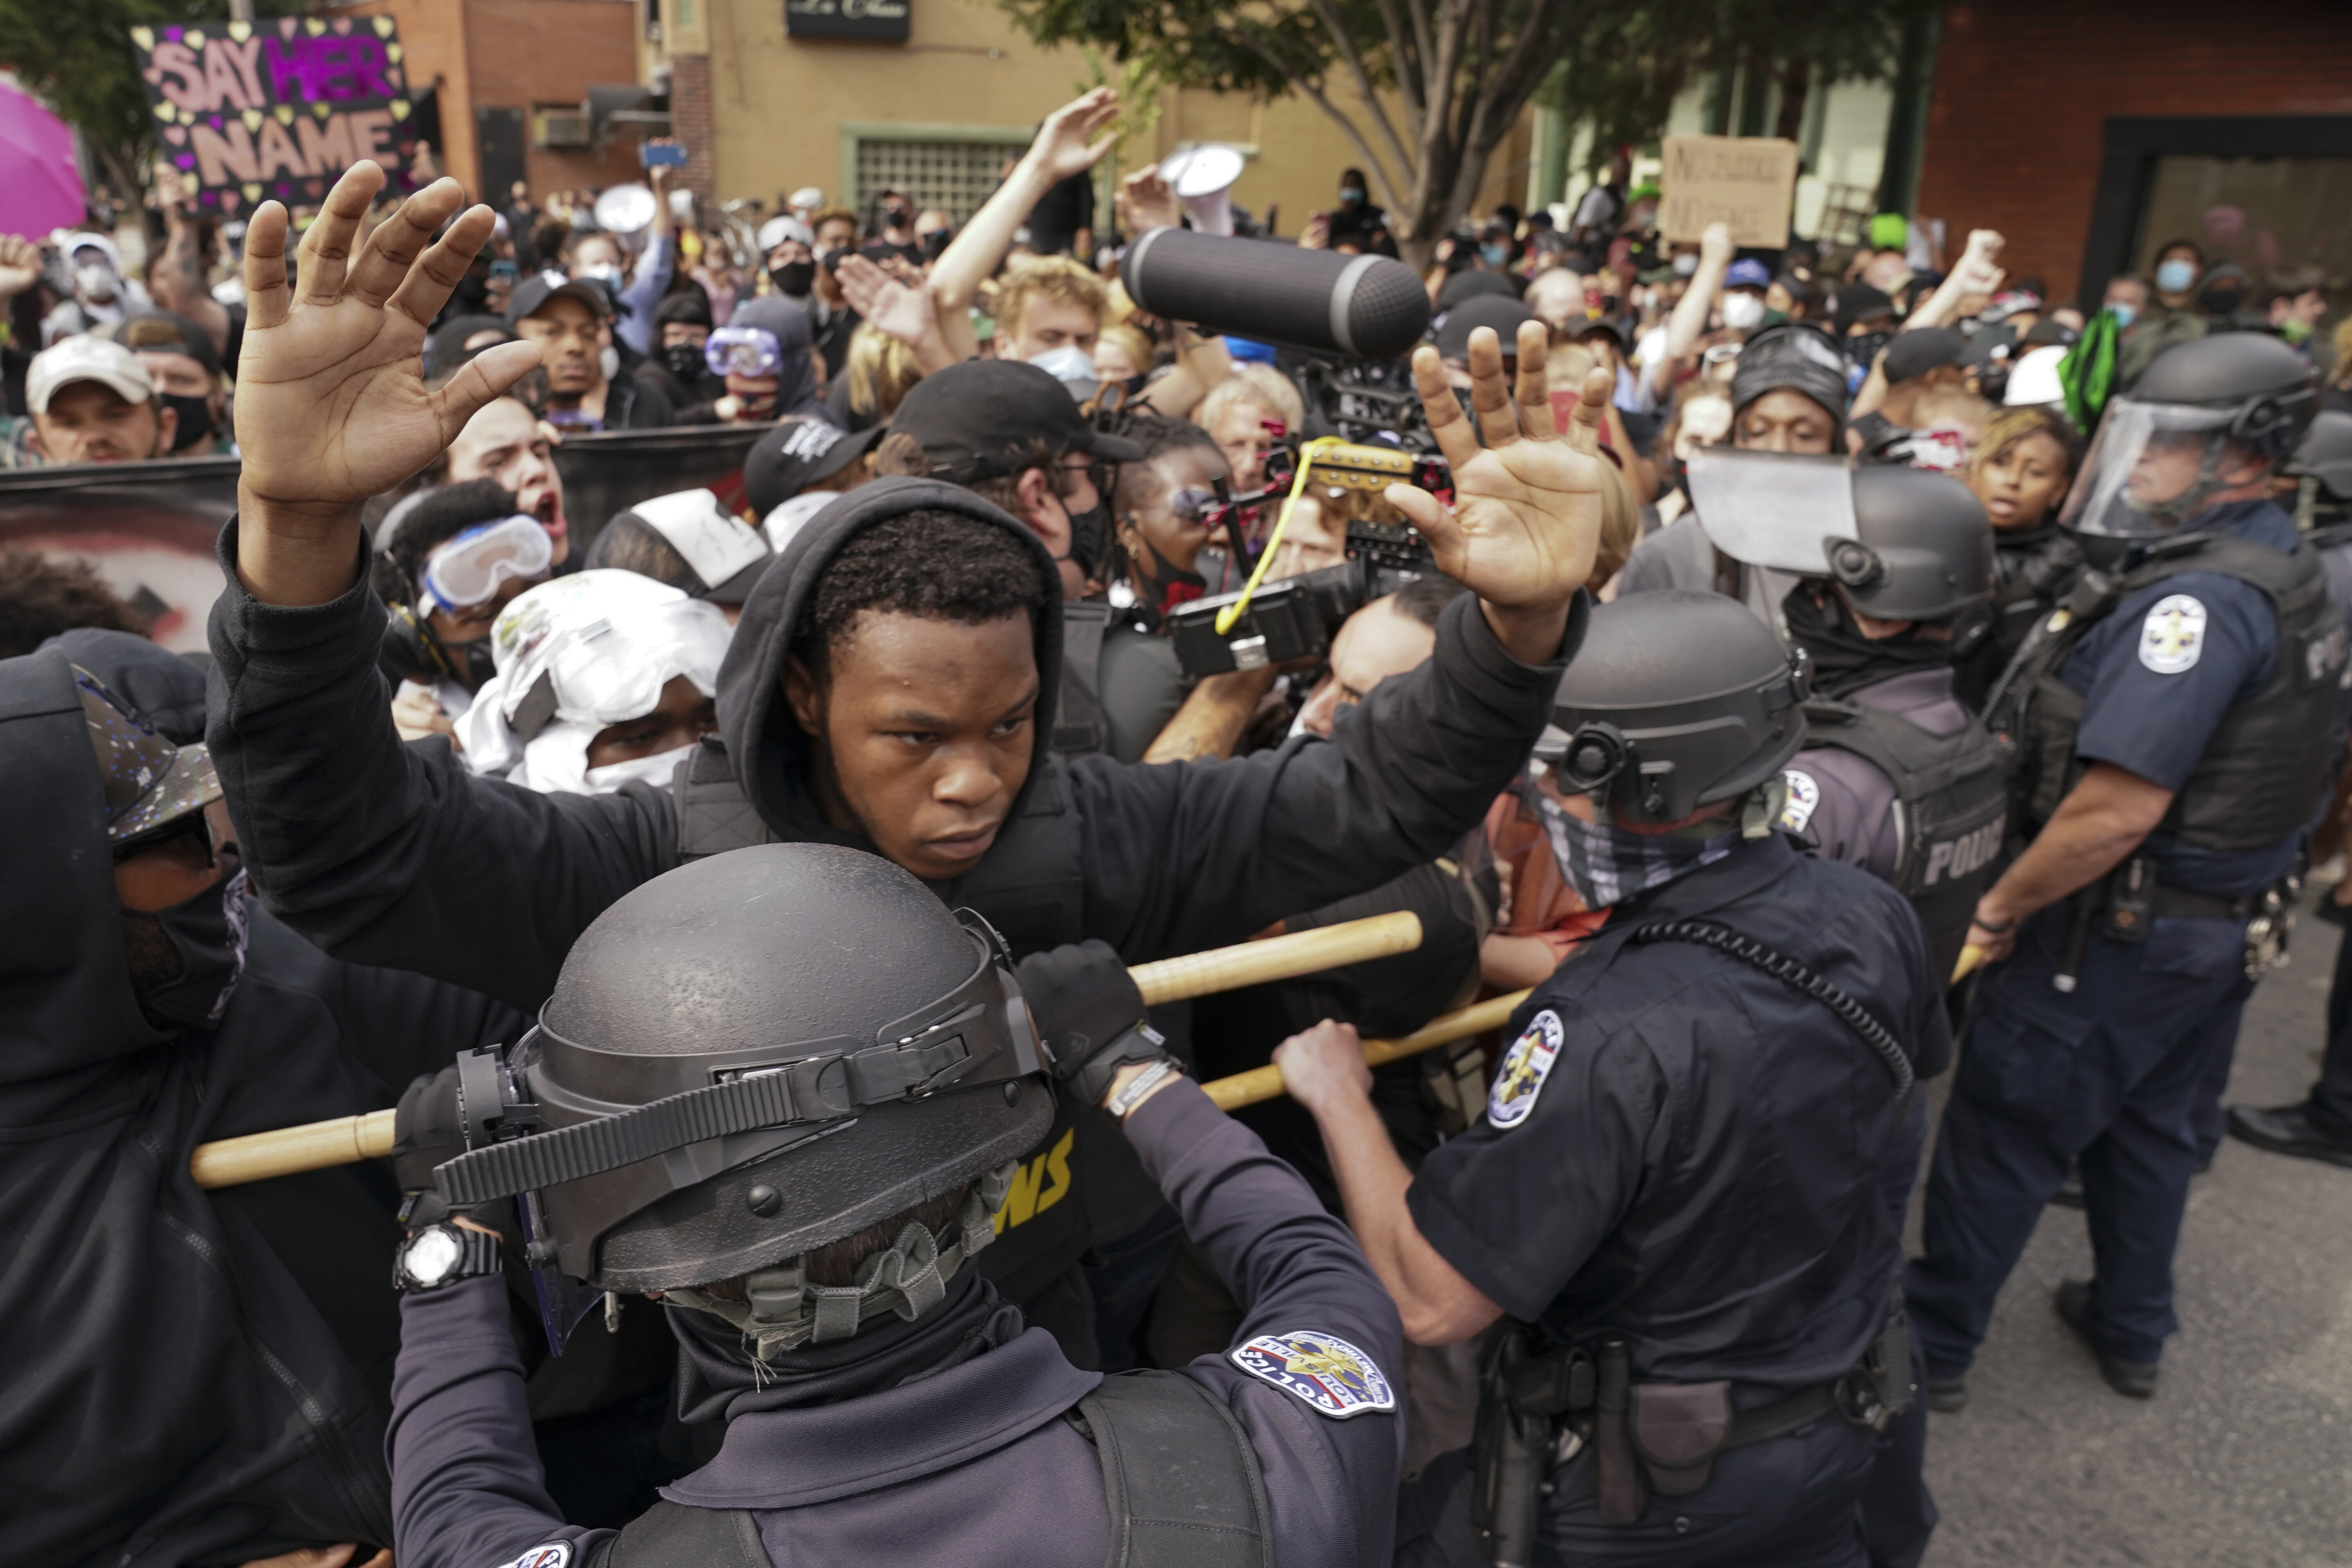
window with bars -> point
(954, 176)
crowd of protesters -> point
(989, 365)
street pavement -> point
(2244, 1455)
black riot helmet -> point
(2324, 460)
(1922, 549)
(2199, 411)
(1675, 700)
(749, 1056)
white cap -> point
(782, 227)
(85, 358)
(69, 240)
(808, 198)
(2034, 378)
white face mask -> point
(1072, 366)
(94, 280)
(657, 769)
(1686, 264)
(608, 363)
(1742, 310)
(604, 272)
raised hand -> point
(20, 265)
(1147, 202)
(1068, 142)
(331, 405)
(909, 312)
(1526, 519)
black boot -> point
(2290, 1130)
(2132, 1379)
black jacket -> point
(188, 1376)
(397, 855)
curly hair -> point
(41, 596)
(934, 564)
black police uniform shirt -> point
(971, 1465)
(2158, 675)
(1844, 805)
(1681, 1148)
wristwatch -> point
(442, 1255)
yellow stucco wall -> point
(778, 104)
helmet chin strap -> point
(783, 1310)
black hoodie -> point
(188, 1376)
(397, 855)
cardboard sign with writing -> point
(1743, 181)
(250, 111)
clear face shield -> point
(2152, 468)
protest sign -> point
(1742, 181)
(250, 111)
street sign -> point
(885, 20)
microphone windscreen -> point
(1359, 307)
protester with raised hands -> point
(884, 689)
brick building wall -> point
(2023, 90)
(521, 52)
(691, 121)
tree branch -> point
(1329, 13)
(1249, 35)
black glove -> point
(428, 1130)
(1089, 1015)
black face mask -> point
(195, 418)
(1089, 529)
(206, 937)
(1844, 661)
(1862, 352)
(2222, 301)
(935, 243)
(793, 278)
(472, 295)
(686, 362)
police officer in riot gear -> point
(786, 1094)
(1676, 1191)
(1896, 777)
(2175, 722)
(2320, 1126)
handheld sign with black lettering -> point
(254, 110)
(1742, 181)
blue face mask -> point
(1351, 194)
(1495, 255)
(2123, 314)
(2175, 276)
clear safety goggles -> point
(613, 670)
(466, 570)
(2150, 468)
(743, 351)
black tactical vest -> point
(2268, 762)
(1182, 1483)
(1029, 886)
(1951, 801)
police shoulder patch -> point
(1804, 794)
(554, 1554)
(2172, 637)
(1331, 1375)
(1525, 1067)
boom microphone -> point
(1359, 307)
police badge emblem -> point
(1331, 1375)
(1804, 798)
(1525, 1067)
(554, 1554)
(2172, 637)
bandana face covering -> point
(1843, 659)
(1605, 865)
(209, 932)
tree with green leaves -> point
(1426, 91)
(78, 60)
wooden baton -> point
(1265, 1083)
(345, 1140)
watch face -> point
(432, 1256)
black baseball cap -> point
(1500, 311)
(803, 449)
(1922, 349)
(536, 290)
(969, 419)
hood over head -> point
(66, 997)
(770, 753)
(795, 378)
